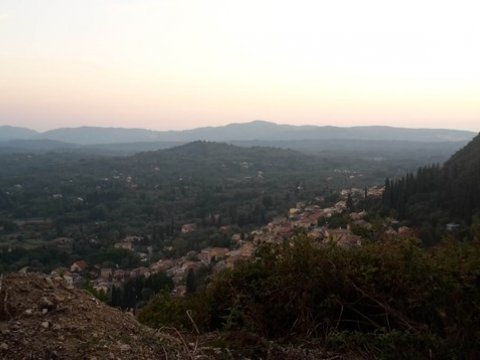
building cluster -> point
(311, 219)
(102, 279)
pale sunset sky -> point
(178, 64)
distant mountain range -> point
(252, 131)
(16, 133)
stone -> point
(45, 303)
(59, 298)
(29, 312)
(125, 347)
(49, 282)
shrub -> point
(381, 296)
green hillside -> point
(440, 194)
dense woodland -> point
(438, 195)
(98, 200)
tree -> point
(350, 205)
(191, 282)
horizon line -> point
(237, 123)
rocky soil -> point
(42, 318)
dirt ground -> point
(42, 318)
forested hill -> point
(213, 157)
(207, 149)
(469, 156)
(448, 193)
(187, 183)
(54, 195)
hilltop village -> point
(309, 218)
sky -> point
(179, 64)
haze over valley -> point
(239, 179)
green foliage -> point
(99, 294)
(124, 258)
(335, 221)
(8, 226)
(383, 296)
(439, 195)
(136, 292)
(38, 259)
(99, 200)
(88, 197)
(183, 312)
(349, 203)
(191, 282)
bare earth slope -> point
(42, 318)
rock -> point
(45, 324)
(125, 347)
(49, 282)
(28, 312)
(59, 298)
(44, 311)
(3, 347)
(45, 303)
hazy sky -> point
(175, 64)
